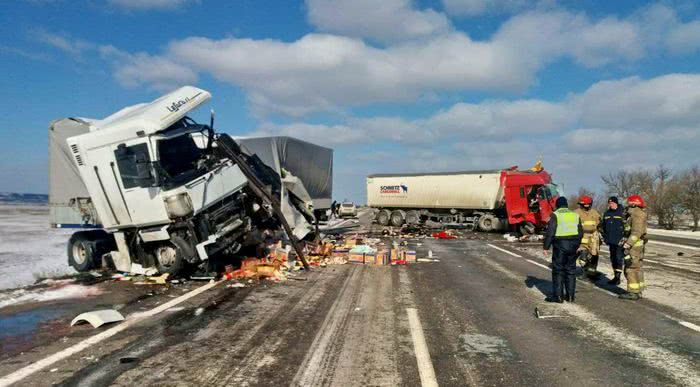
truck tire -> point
(397, 218)
(487, 223)
(383, 217)
(81, 251)
(412, 217)
(169, 258)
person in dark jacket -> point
(613, 230)
(564, 233)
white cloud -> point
(143, 5)
(71, 46)
(140, 69)
(384, 21)
(325, 72)
(669, 100)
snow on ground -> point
(671, 287)
(675, 233)
(29, 249)
(50, 290)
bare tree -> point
(690, 193)
(659, 189)
(620, 183)
(599, 201)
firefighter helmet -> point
(585, 200)
(635, 200)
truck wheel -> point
(487, 223)
(526, 228)
(383, 217)
(81, 251)
(412, 217)
(168, 258)
(397, 218)
(172, 257)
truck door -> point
(132, 172)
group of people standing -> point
(578, 234)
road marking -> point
(538, 264)
(130, 321)
(315, 362)
(675, 245)
(686, 324)
(420, 347)
(504, 250)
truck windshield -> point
(552, 190)
(179, 159)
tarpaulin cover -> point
(311, 163)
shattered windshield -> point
(179, 159)
(552, 190)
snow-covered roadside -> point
(49, 290)
(29, 249)
(675, 233)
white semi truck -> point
(155, 189)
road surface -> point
(468, 319)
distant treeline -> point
(671, 196)
(11, 197)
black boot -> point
(556, 288)
(615, 280)
(630, 296)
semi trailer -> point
(489, 200)
(153, 189)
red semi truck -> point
(493, 200)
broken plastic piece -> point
(98, 318)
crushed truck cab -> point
(163, 191)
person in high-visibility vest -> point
(634, 247)
(564, 233)
(590, 242)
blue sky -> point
(392, 86)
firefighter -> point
(613, 229)
(633, 244)
(564, 232)
(590, 243)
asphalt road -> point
(466, 320)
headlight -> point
(179, 205)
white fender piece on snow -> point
(97, 318)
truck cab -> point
(164, 191)
(529, 197)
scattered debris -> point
(98, 318)
(128, 359)
(541, 315)
(199, 311)
(236, 285)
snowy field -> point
(675, 233)
(29, 249)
